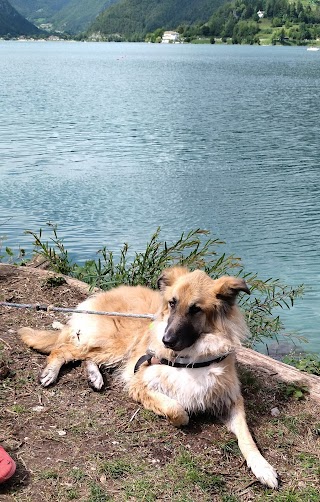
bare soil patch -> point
(71, 443)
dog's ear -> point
(227, 288)
(169, 276)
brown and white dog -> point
(189, 360)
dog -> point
(181, 363)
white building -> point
(260, 14)
(170, 37)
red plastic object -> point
(7, 466)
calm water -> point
(111, 140)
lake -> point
(111, 140)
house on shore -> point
(170, 37)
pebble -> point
(275, 412)
(38, 408)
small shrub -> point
(310, 363)
(294, 391)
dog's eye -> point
(194, 309)
(172, 303)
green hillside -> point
(138, 17)
(285, 22)
(64, 15)
(39, 10)
(14, 24)
(77, 15)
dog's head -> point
(192, 302)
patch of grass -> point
(140, 489)
(18, 408)
(277, 432)
(249, 381)
(147, 415)
(49, 474)
(72, 494)
(307, 495)
(291, 423)
(308, 461)
(77, 474)
(230, 448)
(195, 474)
(98, 494)
(83, 426)
(121, 412)
(117, 468)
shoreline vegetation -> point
(196, 41)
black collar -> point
(150, 359)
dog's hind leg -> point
(95, 378)
(260, 467)
(60, 355)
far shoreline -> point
(314, 45)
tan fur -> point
(189, 304)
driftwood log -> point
(280, 371)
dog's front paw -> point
(178, 417)
(48, 376)
(263, 470)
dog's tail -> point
(41, 340)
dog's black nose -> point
(168, 342)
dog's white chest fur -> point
(191, 387)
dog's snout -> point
(168, 341)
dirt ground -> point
(71, 443)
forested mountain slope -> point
(129, 17)
(38, 9)
(77, 15)
(14, 24)
(66, 15)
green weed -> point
(72, 494)
(54, 282)
(117, 468)
(77, 474)
(310, 363)
(49, 474)
(17, 408)
(140, 489)
(295, 392)
(230, 448)
(308, 461)
(97, 494)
